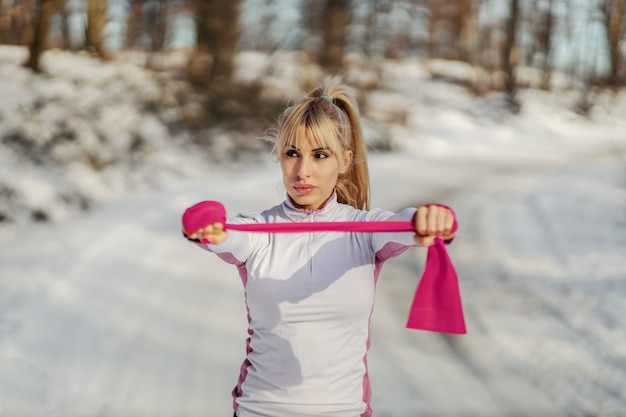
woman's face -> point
(310, 174)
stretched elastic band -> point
(295, 227)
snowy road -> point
(113, 314)
(541, 262)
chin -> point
(302, 202)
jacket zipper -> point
(310, 246)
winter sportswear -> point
(309, 298)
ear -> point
(345, 162)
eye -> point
(321, 155)
(292, 153)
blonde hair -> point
(328, 116)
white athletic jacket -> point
(309, 298)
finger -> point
(424, 241)
(433, 220)
(203, 233)
(441, 222)
(446, 221)
(449, 222)
(189, 237)
(421, 224)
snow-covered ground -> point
(109, 312)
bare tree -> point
(42, 12)
(16, 21)
(94, 29)
(436, 11)
(217, 35)
(464, 29)
(509, 54)
(312, 16)
(372, 30)
(4, 22)
(540, 23)
(135, 22)
(452, 29)
(65, 41)
(543, 37)
(337, 17)
(147, 23)
(613, 18)
(327, 24)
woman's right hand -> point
(214, 234)
(204, 222)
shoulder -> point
(347, 212)
(376, 214)
(264, 216)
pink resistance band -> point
(437, 302)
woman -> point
(310, 295)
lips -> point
(303, 189)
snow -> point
(107, 311)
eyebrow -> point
(312, 150)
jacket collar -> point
(294, 213)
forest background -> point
(192, 47)
(584, 39)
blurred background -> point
(115, 115)
(206, 78)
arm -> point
(430, 222)
(388, 245)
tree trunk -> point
(509, 51)
(546, 46)
(336, 22)
(217, 35)
(613, 18)
(458, 21)
(452, 29)
(94, 30)
(66, 41)
(134, 22)
(41, 25)
(16, 21)
(434, 22)
(157, 24)
(5, 23)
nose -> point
(303, 168)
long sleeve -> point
(389, 245)
(236, 248)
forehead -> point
(305, 146)
(306, 141)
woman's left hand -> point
(431, 222)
